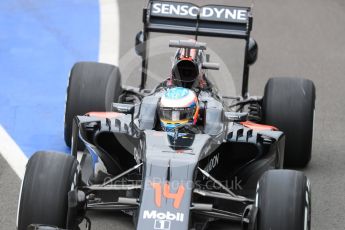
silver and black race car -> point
(179, 156)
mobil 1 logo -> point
(162, 224)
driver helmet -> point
(178, 106)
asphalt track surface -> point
(296, 38)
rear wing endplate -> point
(190, 19)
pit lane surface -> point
(296, 38)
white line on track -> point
(110, 32)
(108, 53)
(12, 153)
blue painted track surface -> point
(39, 42)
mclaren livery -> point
(179, 156)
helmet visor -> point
(176, 115)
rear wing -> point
(190, 19)
(187, 18)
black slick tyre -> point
(289, 104)
(92, 87)
(44, 193)
(283, 201)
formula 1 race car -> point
(179, 156)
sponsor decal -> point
(210, 12)
(153, 214)
(162, 224)
(212, 163)
(164, 190)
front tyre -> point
(283, 200)
(44, 193)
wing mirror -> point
(236, 117)
(139, 44)
(210, 65)
(252, 51)
(123, 108)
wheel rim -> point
(307, 209)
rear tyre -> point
(283, 201)
(92, 87)
(288, 104)
(44, 193)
